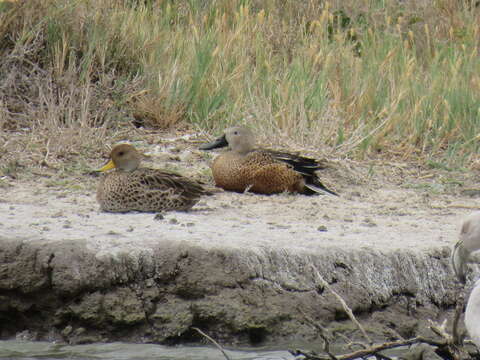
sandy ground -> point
(367, 214)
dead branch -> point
(346, 308)
(457, 339)
(449, 347)
(349, 343)
(440, 330)
(372, 350)
(219, 347)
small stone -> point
(322, 228)
(130, 229)
(45, 228)
(186, 156)
(369, 222)
(471, 192)
(159, 216)
(190, 224)
(67, 225)
(173, 221)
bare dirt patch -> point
(384, 205)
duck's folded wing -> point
(305, 166)
(162, 180)
(301, 164)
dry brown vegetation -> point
(343, 79)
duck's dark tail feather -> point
(305, 166)
(313, 186)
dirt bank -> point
(254, 295)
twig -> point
(389, 345)
(48, 152)
(344, 305)
(349, 343)
(219, 347)
(457, 340)
(440, 330)
(450, 349)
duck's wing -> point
(163, 180)
(304, 165)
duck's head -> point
(123, 157)
(240, 139)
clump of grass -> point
(349, 78)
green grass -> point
(354, 78)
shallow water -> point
(121, 351)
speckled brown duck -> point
(132, 188)
(246, 168)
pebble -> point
(159, 216)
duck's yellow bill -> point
(107, 166)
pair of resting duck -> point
(244, 168)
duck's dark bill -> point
(218, 143)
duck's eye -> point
(121, 153)
(235, 133)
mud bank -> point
(67, 290)
(240, 267)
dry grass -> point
(351, 79)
